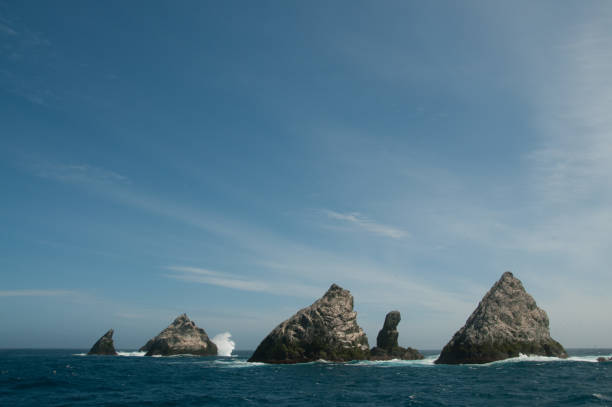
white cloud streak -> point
(204, 276)
(81, 174)
(36, 293)
(289, 267)
(232, 281)
(574, 163)
(362, 222)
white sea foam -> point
(119, 353)
(428, 361)
(236, 364)
(536, 358)
(134, 353)
(225, 345)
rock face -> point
(386, 342)
(104, 345)
(325, 330)
(181, 337)
(506, 322)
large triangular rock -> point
(104, 345)
(181, 337)
(325, 330)
(387, 347)
(507, 322)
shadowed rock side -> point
(506, 322)
(104, 345)
(325, 330)
(386, 342)
(181, 337)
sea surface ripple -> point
(70, 378)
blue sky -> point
(233, 160)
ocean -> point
(70, 378)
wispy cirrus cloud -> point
(362, 222)
(205, 276)
(36, 293)
(572, 164)
(228, 280)
(298, 268)
(78, 173)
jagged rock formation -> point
(104, 345)
(181, 337)
(325, 330)
(386, 342)
(506, 322)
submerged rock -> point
(181, 337)
(104, 345)
(602, 359)
(325, 330)
(506, 322)
(386, 342)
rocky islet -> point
(104, 345)
(327, 329)
(506, 323)
(181, 337)
(387, 347)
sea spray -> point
(225, 345)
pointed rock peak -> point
(181, 319)
(104, 345)
(335, 287)
(508, 279)
(510, 288)
(338, 296)
(335, 291)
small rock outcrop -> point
(506, 322)
(180, 338)
(386, 342)
(104, 345)
(327, 330)
(603, 359)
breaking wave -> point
(225, 345)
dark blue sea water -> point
(68, 378)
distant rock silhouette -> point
(181, 337)
(104, 345)
(506, 322)
(327, 330)
(386, 342)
